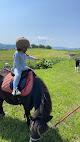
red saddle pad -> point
(27, 89)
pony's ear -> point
(49, 118)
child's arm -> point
(31, 58)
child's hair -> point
(21, 43)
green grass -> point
(64, 86)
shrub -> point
(43, 63)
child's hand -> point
(37, 59)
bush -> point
(44, 63)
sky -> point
(48, 22)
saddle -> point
(25, 85)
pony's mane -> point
(46, 106)
(42, 115)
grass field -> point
(64, 86)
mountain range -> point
(64, 48)
(6, 46)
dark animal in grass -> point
(38, 98)
(77, 64)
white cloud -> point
(42, 38)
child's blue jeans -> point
(17, 76)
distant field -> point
(40, 53)
(63, 84)
(7, 55)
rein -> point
(63, 118)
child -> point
(19, 64)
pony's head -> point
(38, 126)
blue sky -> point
(48, 22)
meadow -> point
(63, 84)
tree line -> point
(41, 46)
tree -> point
(41, 46)
(34, 46)
(48, 47)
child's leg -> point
(16, 78)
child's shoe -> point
(16, 92)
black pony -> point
(39, 98)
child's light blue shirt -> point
(20, 60)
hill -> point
(64, 48)
(6, 46)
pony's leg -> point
(27, 114)
(1, 108)
(28, 120)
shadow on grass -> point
(53, 136)
(15, 130)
